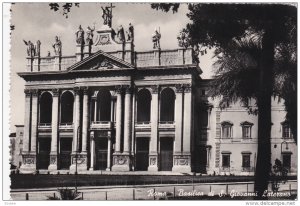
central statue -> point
(107, 15)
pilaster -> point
(54, 135)
(153, 154)
(85, 120)
(28, 161)
(76, 130)
(92, 150)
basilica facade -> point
(109, 107)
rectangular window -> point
(286, 160)
(246, 130)
(246, 161)
(226, 160)
(285, 131)
(226, 131)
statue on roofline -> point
(57, 46)
(130, 33)
(156, 39)
(89, 35)
(80, 36)
(107, 15)
(30, 48)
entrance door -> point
(101, 153)
(166, 154)
(200, 159)
(142, 154)
(44, 153)
(65, 153)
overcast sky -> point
(35, 21)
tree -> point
(217, 25)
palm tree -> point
(238, 71)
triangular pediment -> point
(100, 61)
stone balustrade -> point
(141, 59)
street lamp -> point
(286, 145)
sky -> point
(35, 21)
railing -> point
(47, 63)
(101, 125)
(44, 125)
(167, 125)
(67, 61)
(166, 122)
(66, 125)
(143, 123)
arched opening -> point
(103, 106)
(143, 106)
(67, 102)
(46, 108)
(167, 104)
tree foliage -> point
(65, 8)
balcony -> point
(66, 126)
(146, 125)
(44, 126)
(166, 125)
(101, 125)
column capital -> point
(55, 92)
(179, 88)
(27, 92)
(187, 88)
(128, 89)
(76, 90)
(92, 135)
(118, 89)
(34, 92)
(85, 90)
(154, 89)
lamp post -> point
(286, 146)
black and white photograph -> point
(127, 101)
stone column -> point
(127, 121)
(118, 120)
(26, 137)
(187, 131)
(92, 150)
(34, 121)
(75, 128)
(108, 154)
(182, 162)
(85, 122)
(121, 162)
(28, 160)
(95, 109)
(153, 154)
(178, 120)
(54, 127)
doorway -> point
(101, 153)
(43, 159)
(65, 153)
(142, 154)
(166, 154)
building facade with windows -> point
(109, 107)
